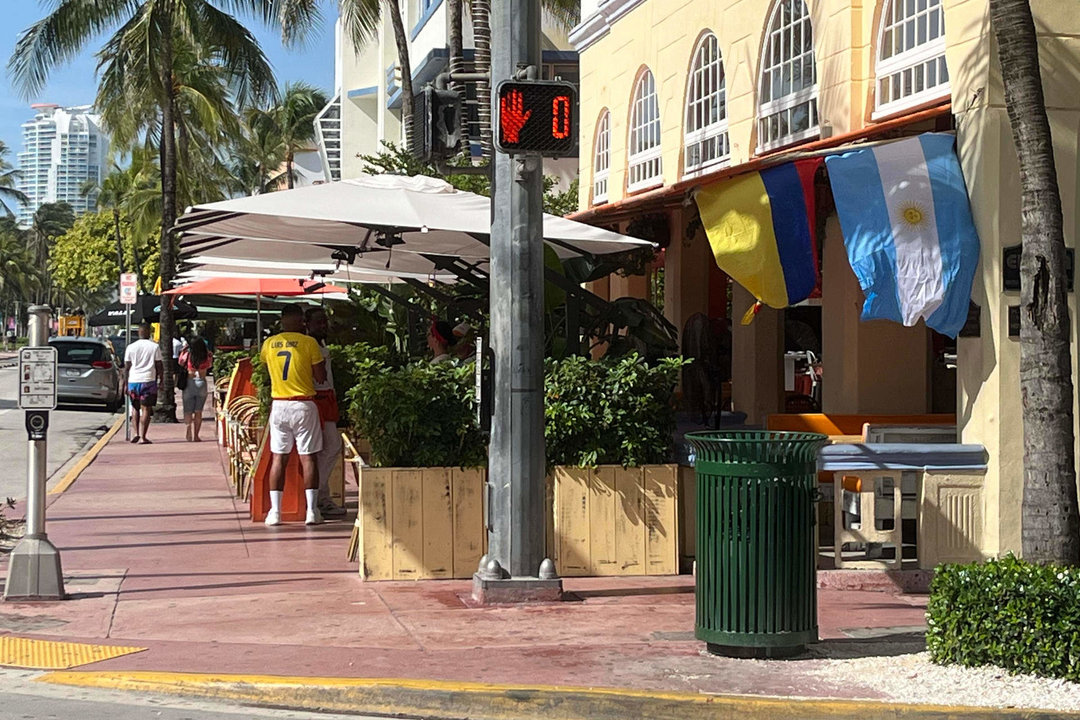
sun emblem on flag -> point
(913, 214)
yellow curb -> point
(52, 655)
(480, 701)
(84, 462)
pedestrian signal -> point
(537, 118)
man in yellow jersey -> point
(296, 364)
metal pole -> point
(34, 571)
(37, 451)
(516, 452)
(127, 396)
(258, 321)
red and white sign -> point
(128, 289)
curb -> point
(84, 462)
(477, 701)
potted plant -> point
(608, 427)
(421, 500)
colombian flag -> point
(761, 230)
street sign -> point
(537, 118)
(128, 288)
(37, 378)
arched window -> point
(706, 142)
(645, 166)
(911, 55)
(601, 159)
(787, 109)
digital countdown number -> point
(537, 118)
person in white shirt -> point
(142, 373)
(318, 327)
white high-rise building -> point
(62, 149)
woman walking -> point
(196, 359)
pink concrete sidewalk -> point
(158, 554)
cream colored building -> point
(678, 94)
(367, 106)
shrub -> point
(1010, 613)
(223, 364)
(347, 360)
(421, 415)
(616, 412)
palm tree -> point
(9, 194)
(361, 20)
(141, 55)
(290, 124)
(1050, 531)
(20, 273)
(565, 12)
(112, 193)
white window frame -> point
(653, 154)
(601, 159)
(716, 131)
(774, 107)
(909, 60)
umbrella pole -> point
(258, 320)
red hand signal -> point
(512, 115)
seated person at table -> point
(440, 340)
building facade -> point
(679, 95)
(366, 110)
(63, 148)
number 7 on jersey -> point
(287, 354)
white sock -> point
(275, 500)
(312, 498)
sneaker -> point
(273, 518)
(329, 509)
(314, 517)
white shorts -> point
(295, 421)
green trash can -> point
(756, 566)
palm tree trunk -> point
(167, 410)
(1051, 521)
(481, 18)
(402, 42)
(119, 239)
(457, 59)
(288, 170)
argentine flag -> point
(907, 227)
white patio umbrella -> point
(385, 223)
(206, 267)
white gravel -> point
(913, 678)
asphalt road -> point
(71, 427)
(25, 699)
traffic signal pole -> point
(515, 568)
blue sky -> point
(75, 84)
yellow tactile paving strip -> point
(49, 655)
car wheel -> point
(113, 406)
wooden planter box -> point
(612, 520)
(420, 523)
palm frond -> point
(60, 36)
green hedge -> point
(421, 415)
(1009, 613)
(609, 412)
(223, 364)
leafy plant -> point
(609, 411)
(260, 378)
(421, 415)
(1014, 614)
(223, 364)
(346, 361)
